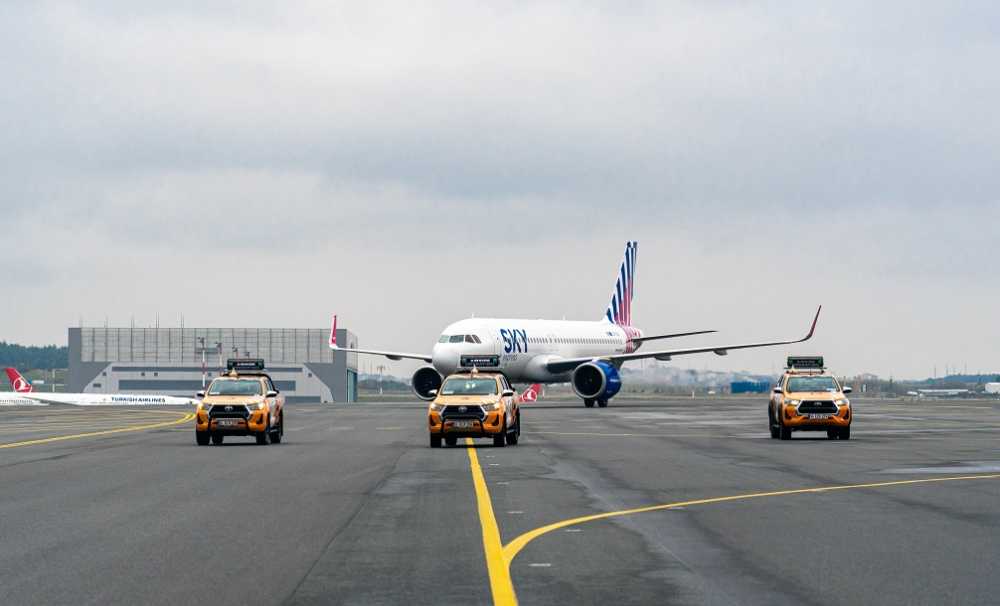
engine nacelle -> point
(424, 381)
(596, 380)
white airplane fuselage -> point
(100, 399)
(523, 347)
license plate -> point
(229, 422)
(462, 424)
(818, 416)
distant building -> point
(169, 360)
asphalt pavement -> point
(118, 506)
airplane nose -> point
(445, 359)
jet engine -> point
(597, 380)
(425, 380)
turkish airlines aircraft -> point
(91, 399)
(588, 355)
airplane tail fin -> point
(17, 382)
(531, 394)
(620, 309)
(333, 334)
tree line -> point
(33, 357)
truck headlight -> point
(793, 402)
(842, 402)
(435, 407)
(492, 406)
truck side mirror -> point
(272, 394)
(507, 393)
(777, 390)
(848, 389)
(432, 392)
(200, 395)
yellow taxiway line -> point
(497, 565)
(499, 556)
(185, 417)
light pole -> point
(380, 369)
(218, 345)
(204, 369)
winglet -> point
(17, 382)
(333, 333)
(813, 328)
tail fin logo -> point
(531, 394)
(620, 309)
(17, 382)
(333, 334)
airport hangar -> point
(168, 361)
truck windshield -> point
(469, 387)
(235, 387)
(812, 384)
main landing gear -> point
(589, 403)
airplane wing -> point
(560, 366)
(671, 336)
(49, 398)
(392, 355)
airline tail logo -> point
(620, 309)
(531, 394)
(333, 334)
(19, 383)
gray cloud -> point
(359, 152)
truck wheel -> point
(217, 438)
(202, 438)
(588, 403)
(845, 433)
(435, 441)
(832, 434)
(775, 432)
(500, 440)
(280, 429)
(262, 436)
(785, 433)
(451, 440)
(515, 434)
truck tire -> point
(279, 430)
(217, 439)
(435, 441)
(202, 438)
(451, 440)
(500, 440)
(845, 433)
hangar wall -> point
(169, 360)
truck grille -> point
(812, 407)
(238, 411)
(471, 411)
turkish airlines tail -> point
(531, 394)
(17, 382)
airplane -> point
(24, 390)
(588, 355)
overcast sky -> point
(250, 164)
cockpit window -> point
(456, 338)
(443, 339)
(472, 339)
